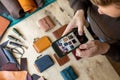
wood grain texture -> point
(95, 68)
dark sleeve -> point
(80, 4)
(114, 51)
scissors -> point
(17, 51)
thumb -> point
(83, 46)
(81, 29)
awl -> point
(17, 32)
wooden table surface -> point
(95, 68)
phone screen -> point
(69, 42)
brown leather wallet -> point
(61, 61)
(46, 23)
(41, 44)
(58, 33)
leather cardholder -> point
(46, 23)
(61, 61)
(76, 57)
(44, 63)
(69, 74)
(3, 25)
(58, 33)
(41, 44)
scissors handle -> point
(17, 45)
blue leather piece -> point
(69, 74)
(44, 62)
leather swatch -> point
(61, 61)
(39, 3)
(46, 23)
(3, 25)
(9, 67)
(41, 44)
(14, 8)
(58, 33)
(28, 5)
(3, 9)
(3, 58)
(13, 75)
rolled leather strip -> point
(28, 5)
(39, 3)
(14, 8)
(3, 9)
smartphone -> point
(68, 43)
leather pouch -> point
(69, 74)
(41, 44)
(61, 61)
(58, 33)
(46, 23)
(44, 63)
(3, 25)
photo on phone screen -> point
(68, 43)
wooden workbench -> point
(95, 68)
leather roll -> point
(14, 8)
(3, 9)
(28, 5)
(39, 3)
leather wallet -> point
(69, 74)
(61, 61)
(58, 33)
(46, 23)
(3, 25)
(44, 63)
(76, 57)
(41, 44)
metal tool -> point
(17, 44)
(17, 32)
(14, 38)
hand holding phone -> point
(68, 43)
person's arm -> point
(114, 51)
(80, 4)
